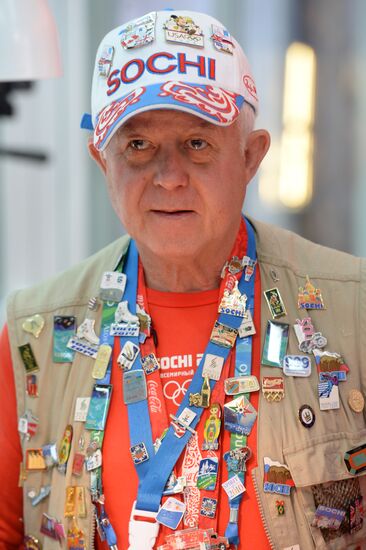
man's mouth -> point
(172, 213)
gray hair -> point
(245, 121)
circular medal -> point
(306, 416)
(356, 401)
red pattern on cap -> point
(112, 112)
(213, 101)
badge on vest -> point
(275, 344)
(64, 328)
(275, 303)
(310, 297)
(85, 341)
(277, 477)
(273, 388)
(98, 408)
(34, 325)
(355, 459)
(112, 286)
(28, 358)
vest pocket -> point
(322, 479)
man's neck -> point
(202, 272)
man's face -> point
(176, 182)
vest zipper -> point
(261, 511)
(92, 529)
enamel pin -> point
(128, 355)
(222, 40)
(126, 323)
(112, 286)
(233, 302)
(236, 459)
(149, 363)
(208, 507)
(139, 32)
(85, 341)
(273, 388)
(310, 297)
(207, 473)
(34, 325)
(275, 303)
(139, 453)
(239, 416)
(275, 344)
(201, 399)
(211, 430)
(183, 30)
(307, 337)
(222, 335)
(105, 61)
(29, 361)
(277, 477)
(355, 459)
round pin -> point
(306, 416)
(356, 401)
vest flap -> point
(322, 459)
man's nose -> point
(171, 170)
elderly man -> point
(199, 383)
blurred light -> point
(268, 175)
(29, 47)
(299, 89)
(296, 158)
(296, 169)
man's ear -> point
(256, 147)
(97, 156)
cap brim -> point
(213, 104)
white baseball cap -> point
(177, 59)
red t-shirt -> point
(183, 323)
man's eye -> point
(197, 144)
(139, 144)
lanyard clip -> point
(143, 529)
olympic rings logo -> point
(173, 390)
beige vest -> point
(314, 456)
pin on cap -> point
(168, 61)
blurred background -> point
(309, 63)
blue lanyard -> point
(243, 366)
(160, 465)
